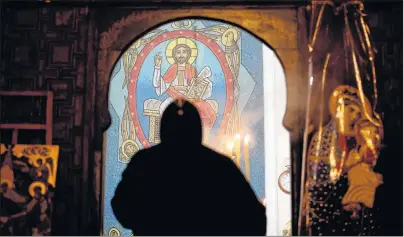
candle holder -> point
(237, 150)
(230, 149)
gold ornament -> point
(353, 158)
(129, 145)
(182, 24)
(287, 230)
(36, 184)
(114, 232)
(8, 182)
(363, 182)
(181, 41)
(369, 135)
(230, 37)
(128, 149)
(346, 107)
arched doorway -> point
(244, 90)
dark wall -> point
(386, 25)
(52, 48)
(48, 49)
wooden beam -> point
(14, 139)
(49, 118)
(22, 126)
(24, 93)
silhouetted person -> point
(181, 187)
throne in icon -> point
(152, 108)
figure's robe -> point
(327, 189)
(207, 113)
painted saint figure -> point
(38, 209)
(180, 76)
(10, 201)
(342, 181)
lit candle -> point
(247, 157)
(238, 149)
(230, 147)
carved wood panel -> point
(46, 49)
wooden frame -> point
(48, 126)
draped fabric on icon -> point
(344, 131)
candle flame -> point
(246, 139)
(238, 137)
(230, 145)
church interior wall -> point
(72, 49)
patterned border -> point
(167, 36)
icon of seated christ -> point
(182, 81)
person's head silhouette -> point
(181, 124)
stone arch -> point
(279, 31)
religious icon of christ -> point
(179, 77)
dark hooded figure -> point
(181, 187)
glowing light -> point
(311, 81)
(238, 149)
(264, 202)
(230, 146)
(334, 175)
(246, 139)
(247, 156)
